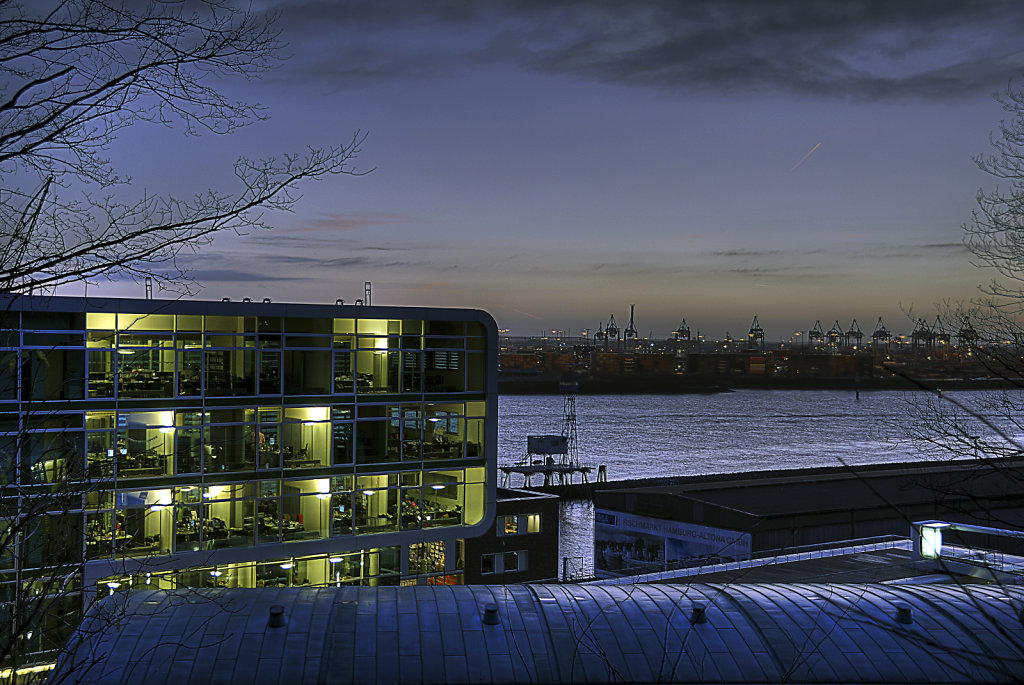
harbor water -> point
(644, 436)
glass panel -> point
(190, 367)
(307, 372)
(269, 439)
(145, 444)
(100, 447)
(412, 509)
(343, 363)
(188, 449)
(187, 537)
(305, 436)
(229, 448)
(270, 373)
(144, 523)
(268, 520)
(275, 574)
(476, 378)
(8, 375)
(412, 371)
(53, 374)
(533, 523)
(52, 457)
(143, 322)
(375, 510)
(444, 371)
(99, 533)
(101, 373)
(145, 372)
(306, 517)
(229, 516)
(341, 513)
(230, 372)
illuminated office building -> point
(245, 444)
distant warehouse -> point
(727, 518)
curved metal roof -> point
(790, 633)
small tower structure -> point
(854, 335)
(881, 338)
(630, 333)
(755, 336)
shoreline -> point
(682, 385)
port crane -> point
(755, 336)
(854, 335)
(630, 333)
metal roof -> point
(794, 633)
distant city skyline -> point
(554, 162)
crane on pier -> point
(630, 333)
(854, 335)
(611, 331)
(755, 336)
(881, 337)
(816, 336)
(835, 336)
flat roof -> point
(856, 489)
(56, 303)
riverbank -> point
(669, 384)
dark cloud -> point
(762, 253)
(348, 222)
(234, 275)
(854, 48)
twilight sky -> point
(553, 162)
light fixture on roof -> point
(287, 565)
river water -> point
(642, 436)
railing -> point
(984, 558)
(767, 558)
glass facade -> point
(239, 438)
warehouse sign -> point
(626, 543)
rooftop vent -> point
(277, 619)
(246, 299)
(225, 299)
(490, 617)
(266, 300)
(903, 614)
(339, 301)
(699, 614)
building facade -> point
(522, 544)
(170, 444)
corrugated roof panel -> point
(792, 633)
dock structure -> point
(564, 473)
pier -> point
(564, 474)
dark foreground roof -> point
(791, 633)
